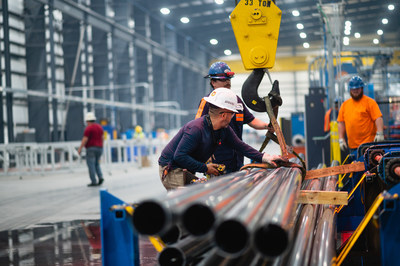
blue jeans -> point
(93, 155)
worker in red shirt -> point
(93, 142)
(359, 118)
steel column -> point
(7, 71)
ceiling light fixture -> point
(165, 11)
(346, 40)
(131, 23)
(357, 35)
(295, 13)
(227, 52)
(219, 2)
(303, 35)
(391, 7)
(385, 21)
(214, 41)
(376, 41)
(380, 32)
(347, 32)
(185, 20)
(347, 23)
(306, 45)
(300, 26)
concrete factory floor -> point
(43, 217)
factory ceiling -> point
(370, 23)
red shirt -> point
(94, 133)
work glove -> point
(379, 136)
(269, 158)
(343, 145)
(212, 169)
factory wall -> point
(59, 62)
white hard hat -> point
(90, 117)
(223, 98)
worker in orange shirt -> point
(359, 118)
(328, 116)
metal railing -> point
(35, 158)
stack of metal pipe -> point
(314, 233)
(240, 217)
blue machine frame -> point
(389, 229)
(389, 211)
(119, 241)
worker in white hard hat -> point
(196, 141)
(220, 77)
(93, 142)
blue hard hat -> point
(356, 82)
(220, 70)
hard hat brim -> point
(208, 99)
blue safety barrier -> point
(119, 242)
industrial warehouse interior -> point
(116, 150)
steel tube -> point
(271, 237)
(324, 250)
(184, 251)
(304, 231)
(330, 185)
(324, 242)
(304, 236)
(214, 257)
(172, 235)
(198, 218)
(232, 234)
(153, 217)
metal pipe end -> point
(171, 256)
(271, 240)
(232, 237)
(150, 218)
(172, 235)
(198, 219)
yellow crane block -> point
(255, 24)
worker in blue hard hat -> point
(197, 141)
(359, 118)
(220, 76)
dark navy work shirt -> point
(224, 154)
(195, 142)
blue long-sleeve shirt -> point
(224, 154)
(195, 142)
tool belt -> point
(166, 170)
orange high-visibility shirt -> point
(359, 118)
(327, 120)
